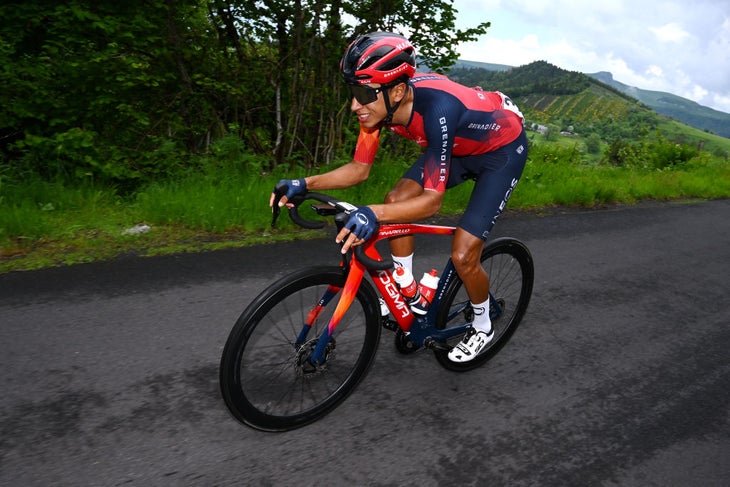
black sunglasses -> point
(365, 94)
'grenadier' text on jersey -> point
(449, 119)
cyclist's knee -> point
(466, 251)
(404, 189)
(464, 258)
(392, 196)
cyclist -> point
(466, 133)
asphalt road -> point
(618, 376)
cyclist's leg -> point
(498, 173)
(409, 186)
(466, 251)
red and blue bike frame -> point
(419, 329)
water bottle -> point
(407, 284)
(427, 290)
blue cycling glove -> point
(362, 223)
(293, 187)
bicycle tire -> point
(510, 267)
(262, 379)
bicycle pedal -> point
(432, 344)
(389, 324)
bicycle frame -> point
(418, 328)
(306, 341)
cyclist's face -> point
(368, 104)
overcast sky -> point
(664, 45)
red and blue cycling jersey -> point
(449, 120)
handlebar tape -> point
(376, 265)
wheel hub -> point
(303, 362)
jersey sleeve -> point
(367, 145)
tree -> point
(429, 24)
(127, 90)
(100, 89)
(310, 108)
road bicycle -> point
(303, 345)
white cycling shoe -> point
(471, 345)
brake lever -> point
(275, 210)
(279, 192)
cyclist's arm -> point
(422, 206)
(427, 204)
(345, 176)
(357, 170)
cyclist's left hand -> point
(290, 188)
(361, 225)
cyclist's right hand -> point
(286, 189)
(361, 225)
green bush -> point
(657, 154)
(593, 144)
(665, 154)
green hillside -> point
(583, 105)
(548, 94)
(681, 109)
(592, 104)
(686, 111)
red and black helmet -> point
(379, 57)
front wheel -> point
(508, 263)
(266, 378)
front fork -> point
(352, 284)
(314, 313)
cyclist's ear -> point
(398, 92)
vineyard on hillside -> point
(590, 106)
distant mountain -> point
(546, 92)
(681, 109)
(489, 66)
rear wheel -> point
(509, 265)
(266, 379)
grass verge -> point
(44, 224)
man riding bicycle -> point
(466, 133)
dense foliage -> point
(130, 91)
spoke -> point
(270, 372)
